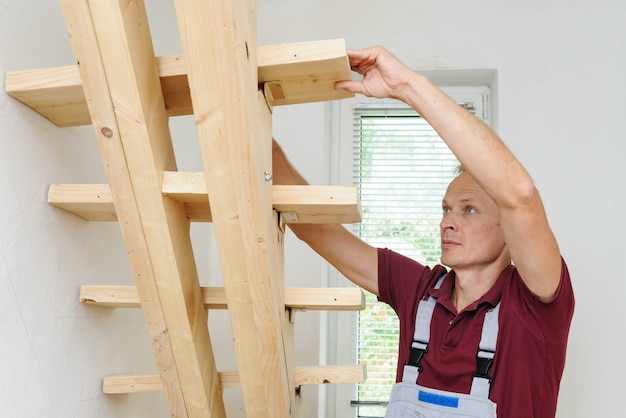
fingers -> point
(365, 53)
(363, 59)
(351, 86)
(379, 69)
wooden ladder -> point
(230, 85)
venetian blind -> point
(402, 169)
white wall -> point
(54, 350)
(561, 93)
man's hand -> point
(383, 74)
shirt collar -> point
(492, 297)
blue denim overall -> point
(410, 400)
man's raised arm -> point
(483, 155)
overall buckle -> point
(484, 361)
(418, 350)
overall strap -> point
(481, 381)
(421, 336)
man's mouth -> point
(449, 243)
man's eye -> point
(446, 210)
(470, 210)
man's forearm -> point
(351, 256)
(283, 171)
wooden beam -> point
(307, 299)
(78, 19)
(235, 135)
(303, 72)
(111, 41)
(298, 204)
(115, 385)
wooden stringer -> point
(230, 85)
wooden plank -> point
(335, 299)
(298, 204)
(307, 299)
(304, 204)
(115, 385)
(330, 374)
(235, 135)
(118, 67)
(93, 202)
(55, 93)
(305, 71)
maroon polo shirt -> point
(532, 339)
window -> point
(402, 169)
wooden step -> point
(314, 299)
(297, 204)
(300, 72)
(114, 385)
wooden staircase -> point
(230, 85)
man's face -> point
(470, 230)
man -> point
(491, 334)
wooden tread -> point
(115, 385)
(292, 73)
(314, 299)
(297, 204)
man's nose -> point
(448, 221)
